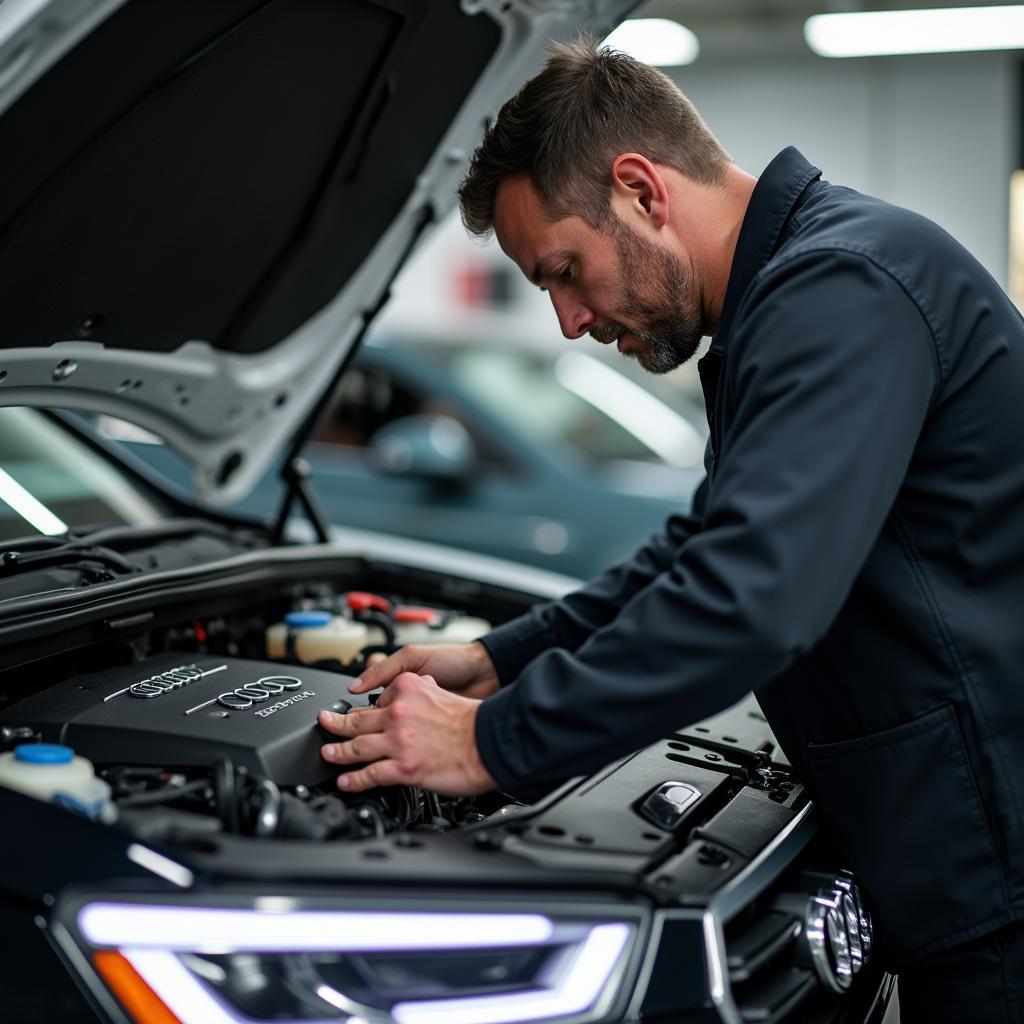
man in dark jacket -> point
(855, 555)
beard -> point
(669, 326)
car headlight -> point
(275, 962)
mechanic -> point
(855, 554)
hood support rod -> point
(296, 475)
(296, 472)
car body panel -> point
(258, 314)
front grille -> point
(765, 974)
(806, 938)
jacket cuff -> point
(488, 740)
(513, 646)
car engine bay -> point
(198, 732)
(209, 724)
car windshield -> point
(574, 401)
(50, 481)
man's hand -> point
(417, 735)
(465, 669)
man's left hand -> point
(417, 734)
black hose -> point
(226, 791)
(166, 794)
(372, 617)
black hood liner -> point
(218, 169)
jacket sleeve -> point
(830, 372)
(567, 622)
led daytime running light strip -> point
(575, 992)
(198, 929)
(181, 992)
(150, 936)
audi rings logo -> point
(839, 932)
(256, 693)
(240, 699)
(160, 684)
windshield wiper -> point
(166, 529)
(95, 563)
(101, 554)
(76, 540)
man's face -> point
(612, 283)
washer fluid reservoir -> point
(52, 772)
(313, 636)
(415, 625)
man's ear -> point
(638, 190)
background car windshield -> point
(573, 400)
(50, 481)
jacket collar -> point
(776, 193)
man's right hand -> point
(465, 669)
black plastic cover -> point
(606, 813)
(275, 736)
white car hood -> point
(211, 199)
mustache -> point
(607, 333)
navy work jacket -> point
(855, 556)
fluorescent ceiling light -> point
(656, 41)
(29, 507)
(943, 30)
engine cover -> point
(176, 711)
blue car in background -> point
(552, 457)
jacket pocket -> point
(904, 808)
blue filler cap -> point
(43, 753)
(307, 620)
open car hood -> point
(204, 203)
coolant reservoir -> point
(51, 772)
(429, 626)
(316, 636)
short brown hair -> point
(566, 125)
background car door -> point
(495, 494)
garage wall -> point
(938, 134)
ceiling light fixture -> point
(30, 508)
(943, 30)
(658, 41)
